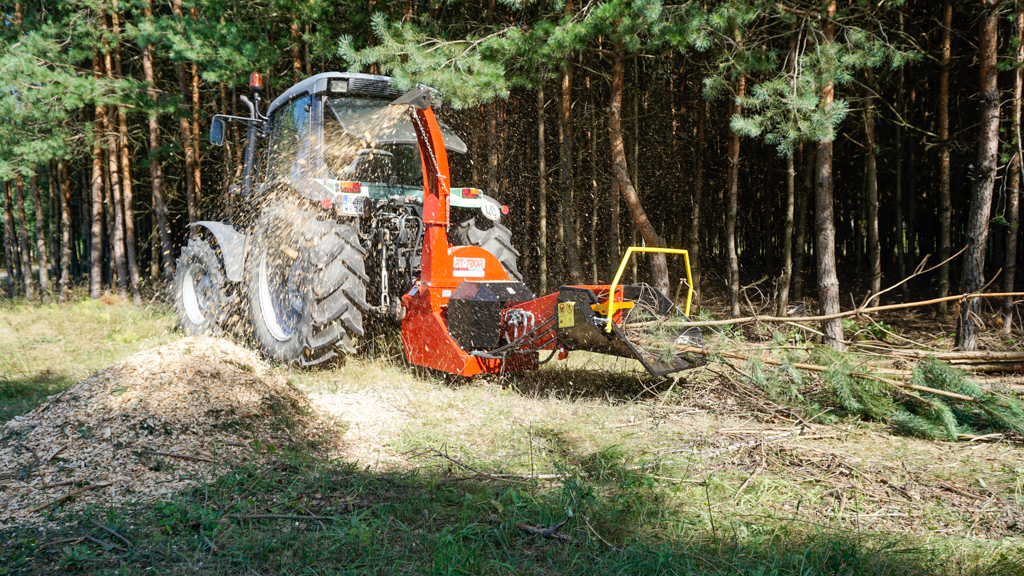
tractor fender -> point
(232, 245)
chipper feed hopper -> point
(465, 316)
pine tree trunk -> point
(800, 241)
(114, 171)
(698, 192)
(659, 266)
(197, 172)
(52, 182)
(566, 206)
(874, 246)
(945, 202)
(973, 277)
(735, 109)
(9, 256)
(1013, 194)
(64, 191)
(96, 215)
(542, 194)
(156, 176)
(23, 245)
(44, 278)
(825, 244)
(186, 129)
(595, 195)
(127, 196)
(787, 238)
(492, 148)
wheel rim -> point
(197, 293)
(280, 300)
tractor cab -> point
(334, 137)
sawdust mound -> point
(146, 427)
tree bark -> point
(787, 238)
(874, 246)
(44, 277)
(735, 109)
(973, 276)
(945, 202)
(542, 194)
(186, 129)
(114, 171)
(64, 190)
(825, 244)
(9, 256)
(800, 241)
(23, 245)
(659, 266)
(96, 215)
(1013, 200)
(566, 205)
(127, 196)
(698, 192)
(156, 176)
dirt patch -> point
(371, 425)
(147, 427)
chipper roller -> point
(465, 316)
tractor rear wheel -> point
(494, 238)
(199, 289)
(305, 284)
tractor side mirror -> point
(217, 131)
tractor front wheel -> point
(200, 293)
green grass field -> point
(439, 476)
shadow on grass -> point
(302, 516)
(18, 395)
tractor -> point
(347, 209)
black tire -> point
(494, 238)
(305, 284)
(200, 290)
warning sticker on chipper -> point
(566, 314)
(468, 267)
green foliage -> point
(929, 415)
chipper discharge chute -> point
(466, 316)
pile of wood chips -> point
(147, 427)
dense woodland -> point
(821, 150)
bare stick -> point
(115, 534)
(67, 496)
(279, 517)
(181, 456)
(103, 543)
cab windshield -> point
(367, 140)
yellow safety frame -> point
(612, 306)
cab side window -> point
(286, 150)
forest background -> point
(829, 146)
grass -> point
(619, 522)
(46, 348)
(651, 475)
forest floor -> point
(393, 470)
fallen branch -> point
(67, 497)
(549, 532)
(115, 534)
(279, 517)
(847, 314)
(181, 456)
(816, 368)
